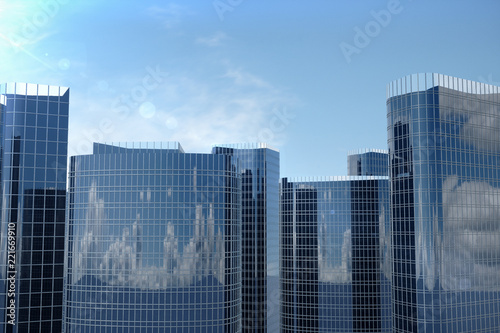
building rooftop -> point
(425, 81)
(251, 145)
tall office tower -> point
(335, 255)
(368, 162)
(153, 241)
(444, 153)
(259, 169)
(33, 137)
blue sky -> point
(309, 78)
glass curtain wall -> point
(154, 241)
(259, 169)
(335, 258)
(444, 153)
(33, 157)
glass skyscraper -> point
(153, 241)
(335, 252)
(259, 170)
(33, 156)
(444, 147)
(368, 162)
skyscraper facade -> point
(153, 241)
(368, 162)
(444, 153)
(259, 170)
(335, 257)
(33, 137)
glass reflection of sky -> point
(154, 222)
(448, 156)
(335, 238)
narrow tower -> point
(33, 157)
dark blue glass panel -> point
(20, 104)
(31, 106)
(42, 106)
(29, 159)
(64, 98)
(9, 118)
(41, 120)
(52, 134)
(54, 108)
(52, 147)
(52, 121)
(41, 147)
(41, 134)
(62, 148)
(30, 119)
(30, 133)
(29, 147)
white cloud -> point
(121, 261)
(169, 14)
(341, 273)
(482, 131)
(24, 25)
(471, 235)
(193, 112)
(385, 244)
(243, 78)
(482, 124)
(87, 245)
(212, 41)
